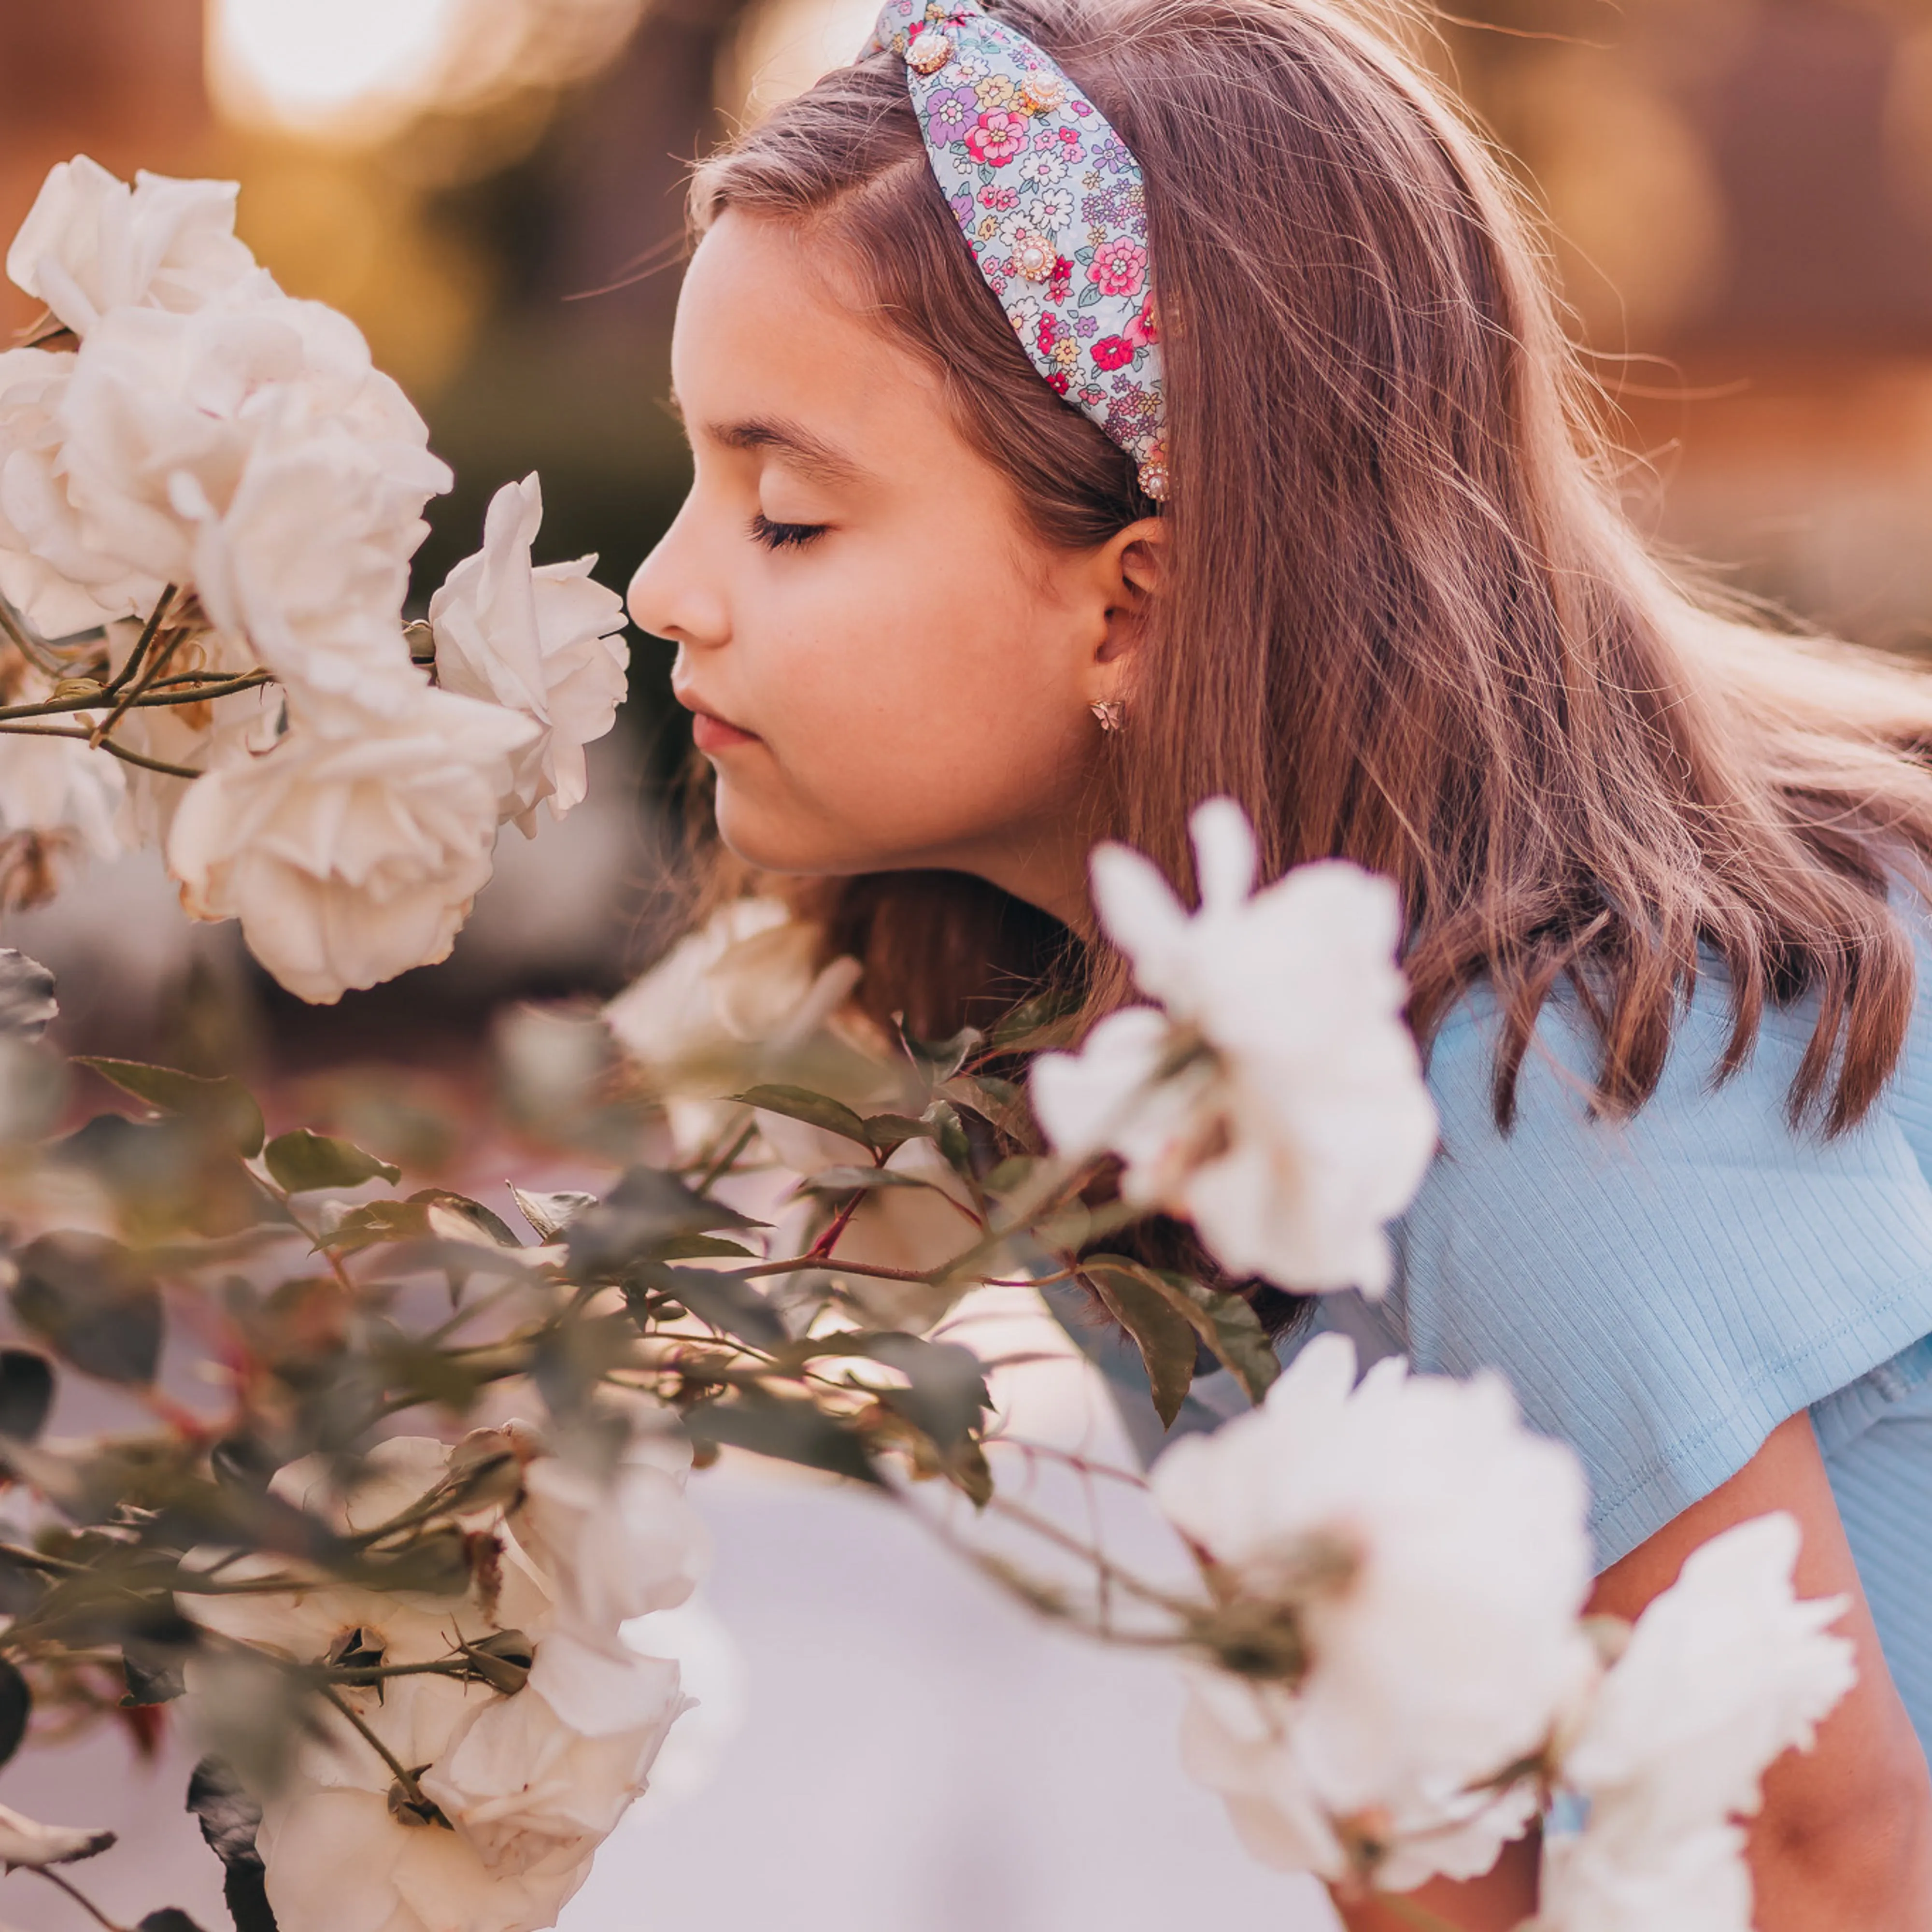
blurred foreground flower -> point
(1724, 1672)
(1428, 1555)
(1275, 1098)
(1404, 1680)
(487, 1736)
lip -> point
(710, 733)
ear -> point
(1130, 567)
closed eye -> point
(784, 536)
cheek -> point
(907, 708)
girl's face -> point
(884, 666)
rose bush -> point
(209, 498)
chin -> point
(775, 842)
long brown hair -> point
(1404, 619)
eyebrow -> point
(809, 453)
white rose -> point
(225, 731)
(198, 446)
(528, 1785)
(305, 1623)
(309, 560)
(155, 402)
(519, 1774)
(541, 641)
(58, 785)
(336, 1856)
(748, 978)
(616, 1551)
(1698, 1882)
(91, 244)
(1725, 1671)
(1245, 1742)
(1305, 1126)
(1447, 1647)
(349, 859)
(49, 570)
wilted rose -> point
(350, 858)
(541, 640)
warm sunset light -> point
(314, 63)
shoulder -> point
(1662, 1291)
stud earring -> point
(1111, 712)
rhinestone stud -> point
(928, 50)
(1034, 258)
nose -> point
(671, 594)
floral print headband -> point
(1053, 206)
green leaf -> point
(730, 1305)
(648, 1208)
(224, 1107)
(1230, 1327)
(484, 1220)
(1045, 1013)
(302, 1162)
(1226, 1322)
(26, 1394)
(153, 1672)
(549, 1214)
(1166, 1337)
(815, 1110)
(947, 1392)
(861, 1181)
(377, 1221)
(94, 1302)
(17, 1706)
(888, 1131)
(501, 1660)
(789, 1432)
(168, 1175)
(939, 1060)
(229, 1819)
(704, 1247)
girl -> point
(1315, 513)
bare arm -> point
(1844, 1841)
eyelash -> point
(783, 536)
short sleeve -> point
(1661, 1292)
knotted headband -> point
(1053, 206)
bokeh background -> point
(1740, 197)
